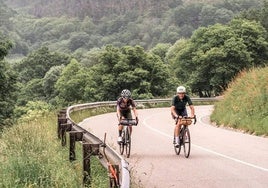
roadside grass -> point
(80, 115)
(31, 156)
(245, 103)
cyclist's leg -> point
(120, 127)
(129, 116)
(177, 128)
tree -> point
(38, 63)
(72, 82)
(254, 37)
(207, 15)
(214, 55)
(143, 73)
(161, 49)
(78, 40)
(50, 80)
(7, 83)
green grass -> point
(245, 104)
(78, 116)
(32, 156)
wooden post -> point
(65, 127)
(61, 120)
(72, 156)
(87, 151)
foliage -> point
(7, 84)
(31, 156)
(71, 26)
(72, 82)
(215, 54)
(161, 49)
(32, 110)
(245, 103)
(36, 65)
(130, 67)
(259, 14)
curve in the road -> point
(200, 147)
(222, 158)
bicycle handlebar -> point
(128, 122)
(185, 117)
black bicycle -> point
(184, 136)
(125, 145)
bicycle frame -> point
(185, 139)
(126, 135)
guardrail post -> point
(61, 120)
(86, 163)
(63, 128)
(88, 151)
(74, 136)
(72, 156)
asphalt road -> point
(219, 157)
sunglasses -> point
(181, 93)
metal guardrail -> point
(91, 143)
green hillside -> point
(245, 104)
(78, 26)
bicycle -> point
(126, 137)
(184, 136)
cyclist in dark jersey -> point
(124, 104)
(178, 109)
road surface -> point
(219, 157)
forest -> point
(56, 53)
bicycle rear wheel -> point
(122, 144)
(128, 142)
(186, 142)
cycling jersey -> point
(125, 107)
(180, 104)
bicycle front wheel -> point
(128, 143)
(186, 142)
(177, 149)
(122, 144)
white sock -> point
(177, 139)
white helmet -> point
(181, 89)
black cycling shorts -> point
(180, 113)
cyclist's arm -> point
(192, 110)
(135, 111)
(133, 104)
(173, 112)
(118, 114)
(191, 107)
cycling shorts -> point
(126, 114)
(180, 113)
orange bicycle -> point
(184, 136)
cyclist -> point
(124, 111)
(178, 109)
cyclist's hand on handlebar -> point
(137, 120)
(194, 119)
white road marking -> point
(200, 147)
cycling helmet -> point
(181, 89)
(126, 93)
